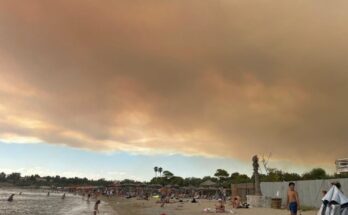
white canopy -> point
(334, 203)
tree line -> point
(51, 181)
(225, 179)
(221, 177)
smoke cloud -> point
(215, 78)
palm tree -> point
(156, 170)
(160, 170)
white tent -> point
(334, 203)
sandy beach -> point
(141, 207)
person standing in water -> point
(63, 197)
(96, 207)
(48, 193)
(293, 200)
(10, 199)
(83, 195)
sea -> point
(36, 202)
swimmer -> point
(10, 199)
(96, 207)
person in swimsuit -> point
(96, 207)
(10, 199)
(293, 200)
(164, 193)
(220, 207)
(236, 202)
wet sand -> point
(141, 207)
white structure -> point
(334, 202)
(342, 165)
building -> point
(342, 165)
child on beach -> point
(293, 200)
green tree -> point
(2, 177)
(192, 181)
(221, 174)
(176, 180)
(158, 180)
(160, 170)
(275, 175)
(167, 174)
(291, 177)
(316, 173)
(205, 178)
(14, 177)
(156, 170)
(223, 177)
(341, 175)
(237, 178)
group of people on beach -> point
(166, 194)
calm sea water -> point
(36, 202)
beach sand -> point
(141, 207)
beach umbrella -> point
(334, 203)
(208, 183)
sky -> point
(120, 84)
